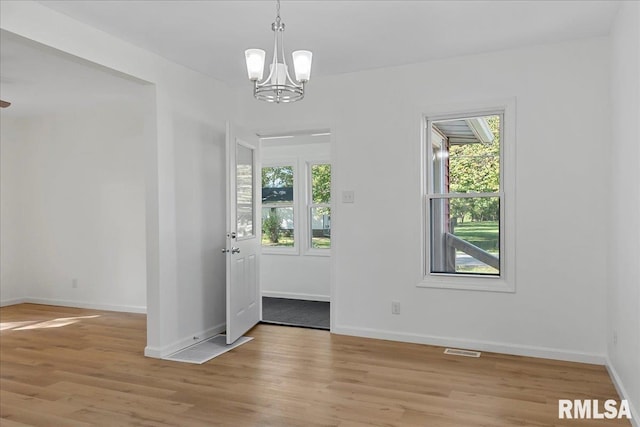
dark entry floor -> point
(293, 312)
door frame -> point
(308, 130)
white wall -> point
(300, 275)
(73, 195)
(12, 161)
(190, 108)
(200, 225)
(623, 292)
(562, 121)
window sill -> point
(484, 284)
(318, 252)
(280, 251)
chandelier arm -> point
(274, 68)
(280, 33)
(284, 58)
(284, 61)
(274, 61)
(293, 82)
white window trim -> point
(308, 250)
(283, 250)
(506, 281)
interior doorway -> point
(296, 229)
(296, 312)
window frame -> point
(505, 282)
(283, 250)
(309, 205)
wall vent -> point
(458, 352)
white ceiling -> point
(345, 36)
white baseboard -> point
(296, 295)
(493, 347)
(83, 304)
(187, 341)
(153, 352)
(617, 382)
(14, 301)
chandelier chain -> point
(278, 13)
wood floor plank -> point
(31, 390)
(65, 366)
(28, 409)
(30, 417)
(6, 422)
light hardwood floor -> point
(74, 367)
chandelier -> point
(278, 86)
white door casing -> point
(243, 232)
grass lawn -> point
(287, 241)
(321, 242)
(483, 234)
(283, 241)
(477, 269)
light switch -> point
(348, 196)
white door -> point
(243, 241)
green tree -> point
(271, 226)
(321, 183)
(475, 168)
(277, 177)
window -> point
(283, 198)
(244, 194)
(467, 235)
(320, 206)
(278, 206)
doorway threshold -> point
(294, 312)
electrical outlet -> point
(615, 338)
(74, 283)
(395, 307)
(348, 196)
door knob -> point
(235, 250)
(224, 250)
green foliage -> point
(271, 226)
(475, 168)
(321, 183)
(277, 177)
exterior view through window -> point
(277, 206)
(320, 206)
(464, 196)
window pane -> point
(466, 155)
(321, 183)
(277, 176)
(277, 226)
(465, 235)
(277, 185)
(244, 191)
(321, 228)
